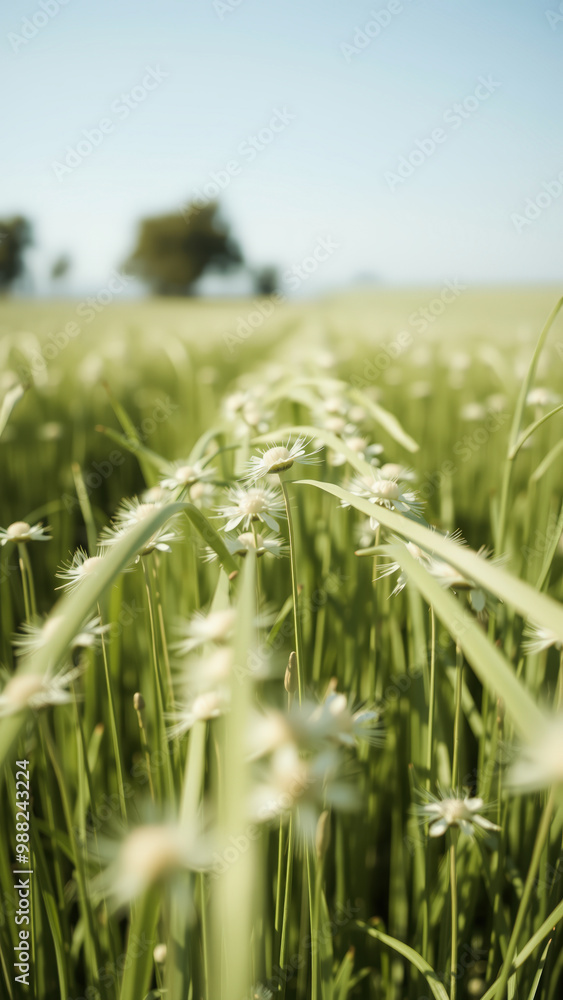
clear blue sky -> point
(327, 172)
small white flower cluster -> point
(204, 678)
(256, 501)
(299, 756)
(28, 691)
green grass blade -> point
(547, 462)
(493, 670)
(520, 595)
(539, 972)
(525, 388)
(386, 420)
(211, 537)
(147, 459)
(530, 429)
(412, 956)
(548, 925)
(11, 399)
(236, 888)
(138, 968)
(73, 609)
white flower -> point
(151, 855)
(260, 992)
(33, 635)
(80, 567)
(313, 726)
(202, 495)
(541, 396)
(336, 424)
(390, 493)
(247, 407)
(365, 533)
(50, 431)
(392, 470)
(473, 411)
(450, 577)
(184, 475)
(292, 782)
(394, 567)
(453, 810)
(21, 531)
(160, 952)
(280, 458)
(540, 764)
(217, 626)
(337, 721)
(420, 389)
(241, 545)
(362, 448)
(155, 494)
(497, 402)
(34, 691)
(205, 706)
(132, 512)
(335, 405)
(258, 503)
(205, 690)
(539, 638)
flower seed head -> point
(89, 565)
(277, 459)
(21, 689)
(387, 489)
(18, 531)
(159, 954)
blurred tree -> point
(60, 267)
(266, 280)
(15, 236)
(173, 251)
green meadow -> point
(281, 630)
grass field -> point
(284, 734)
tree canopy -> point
(174, 250)
(15, 236)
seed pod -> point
(322, 836)
(159, 953)
(290, 680)
(138, 702)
